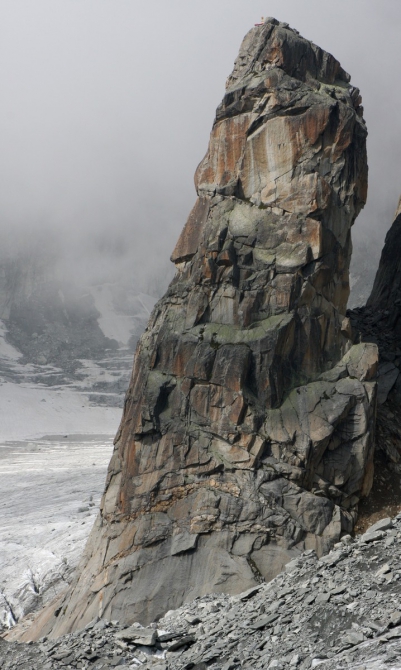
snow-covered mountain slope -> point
(58, 308)
(123, 314)
(32, 410)
(7, 351)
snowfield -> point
(56, 424)
(28, 411)
(121, 324)
(55, 446)
(49, 496)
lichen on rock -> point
(247, 433)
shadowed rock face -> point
(386, 292)
(246, 436)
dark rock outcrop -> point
(385, 299)
(379, 322)
(247, 433)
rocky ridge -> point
(342, 611)
(247, 434)
(378, 322)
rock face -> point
(386, 292)
(247, 433)
(379, 322)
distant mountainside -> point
(55, 318)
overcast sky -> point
(107, 105)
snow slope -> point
(49, 496)
(121, 317)
(57, 421)
(56, 440)
(50, 487)
(29, 412)
(7, 351)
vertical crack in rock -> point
(247, 433)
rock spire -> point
(247, 432)
(386, 292)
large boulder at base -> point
(247, 432)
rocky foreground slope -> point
(340, 611)
(247, 434)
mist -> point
(107, 106)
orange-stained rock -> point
(188, 241)
(249, 413)
(220, 168)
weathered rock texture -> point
(386, 292)
(379, 322)
(247, 429)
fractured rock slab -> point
(247, 434)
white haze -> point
(107, 107)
